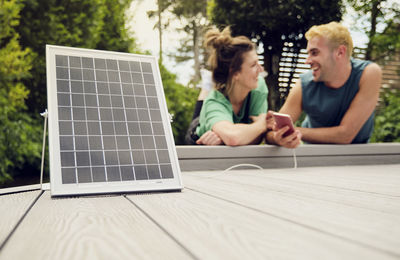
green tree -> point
(387, 42)
(17, 146)
(94, 24)
(26, 27)
(161, 24)
(193, 17)
(382, 26)
(271, 23)
(114, 34)
(180, 102)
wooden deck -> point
(337, 212)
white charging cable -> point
(251, 165)
(294, 159)
(45, 115)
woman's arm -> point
(209, 138)
(241, 134)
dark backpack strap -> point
(247, 109)
(197, 108)
(191, 136)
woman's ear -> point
(235, 75)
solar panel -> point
(109, 128)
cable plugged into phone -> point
(283, 120)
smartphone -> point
(283, 120)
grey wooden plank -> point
(12, 208)
(362, 225)
(212, 228)
(270, 181)
(210, 164)
(221, 151)
(23, 188)
(89, 228)
(382, 179)
(196, 158)
(218, 164)
(20, 189)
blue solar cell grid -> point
(110, 124)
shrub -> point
(387, 118)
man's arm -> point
(359, 111)
(293, 108)
(292, 105)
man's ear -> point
(342, 51)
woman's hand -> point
(271, 125)
(262, 120)
(209, 138)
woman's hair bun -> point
(216, 39)
(225, 55)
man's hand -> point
(209, 138)
(290, 141)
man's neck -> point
(340, 76)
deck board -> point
(89, 228)
(320, 183)
(216, 228)
(321, 212)
(384, 180)
(199, 158)
(350, 214)
(13, 207)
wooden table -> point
(338, 212)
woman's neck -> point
(237, 97)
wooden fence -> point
(292, 65)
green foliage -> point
(272, 23)
(382, 26)
(18, 145)
(114, 34)
(387, 42)
(180, 102)
(387, 119)
(94, 24)
(25, 28)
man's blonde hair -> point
(336, 34)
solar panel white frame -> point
(61, 187)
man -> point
(338, 95)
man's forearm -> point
(269, 137)
(327, 135)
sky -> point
(147, 37)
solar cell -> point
(109, 129)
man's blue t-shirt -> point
(325, 107)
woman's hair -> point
(336, 34)
(226, 56)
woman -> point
(234, 113)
